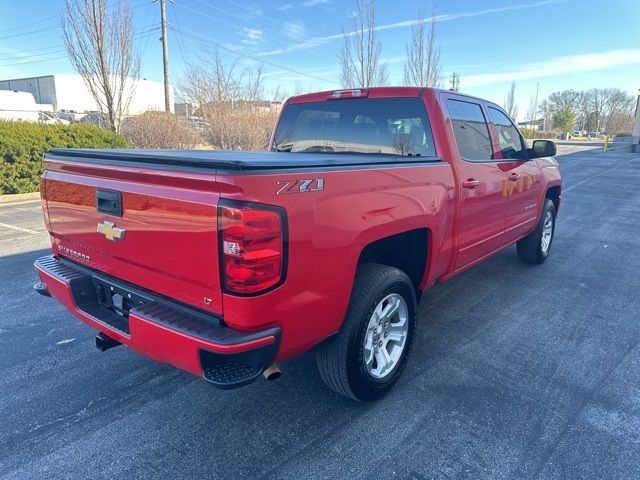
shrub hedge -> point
(528, 133)
(22, 145)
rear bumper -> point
(158, 328)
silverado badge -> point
(110, 231)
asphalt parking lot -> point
(517, 372)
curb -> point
(19, 197)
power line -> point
(31, 32)
(33, 61)
(17, 55)
(13, 56)
(140, 34)
(180, 41)
(153, 22)
(286, 41)
(201, 38)
(28, 24)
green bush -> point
(22, 145)
(528, 133)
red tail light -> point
(252, 247)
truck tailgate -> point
(164, 239)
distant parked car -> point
(71, 115)
(95, 118)
(198, 123)
(52, 119)
(592, 135)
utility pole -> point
(455, 82)
(165, 55)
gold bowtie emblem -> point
(110, 231)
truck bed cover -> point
(229, 160)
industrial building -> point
(69, 92)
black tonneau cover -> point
(229, 160)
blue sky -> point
(559, 43)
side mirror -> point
(543, 148)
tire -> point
(341, 362)
(533, 248)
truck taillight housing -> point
(252, 247)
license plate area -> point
(108, 302)
(116, 298)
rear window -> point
(393, 126)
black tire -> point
(530, 248)
(340, 361)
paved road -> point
(518, 372)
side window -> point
(470, 129)
(509, 139)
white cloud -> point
(329, 72)
(571, 64)
(317, 41)
(252, 36)
(294, 30)
(285, 7)
(313, 3)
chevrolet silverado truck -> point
(224, 264)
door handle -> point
(514, 177)
(471, 183)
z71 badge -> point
(300, 186)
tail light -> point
(252, 247)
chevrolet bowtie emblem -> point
(110, 231)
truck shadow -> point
(486, 373)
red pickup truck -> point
(224, 263)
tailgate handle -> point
(109, 202)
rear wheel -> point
(535, 248)
(368, 355)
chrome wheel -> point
(386, 336)
(547, 232)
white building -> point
(16, 105)
(69, 92)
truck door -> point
(482, 203)
(524, 184)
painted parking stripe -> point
(595, 175)
(19, 229)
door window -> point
(470, 129)
(509, 139)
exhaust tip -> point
(41, 288)
(104, 342)
(272, 372)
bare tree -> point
(565, 99)
(360, 52)
(230, 102)
(99, 39)
(546, 109)
(211, 80)
(620, 112)
(510, 104)
(423, 54)
(598, 100)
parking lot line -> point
(597, 175)
(19, 229)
